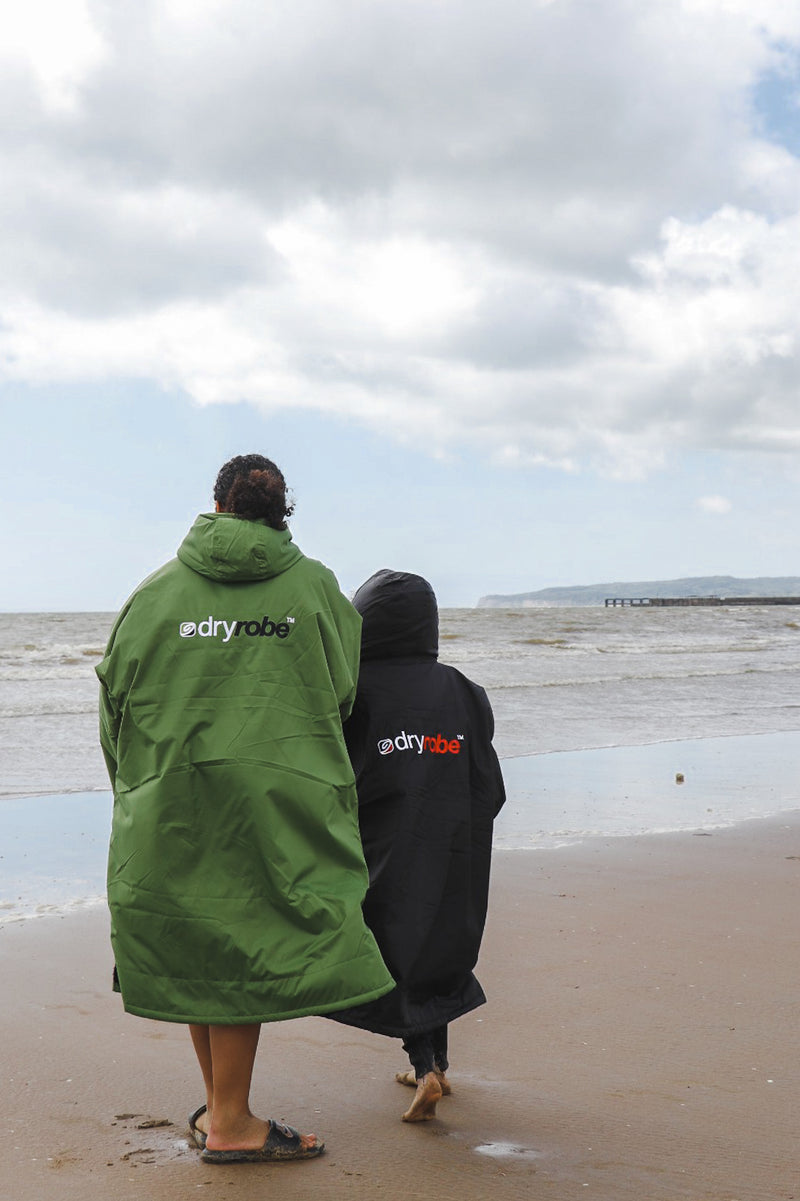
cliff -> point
(595, 594)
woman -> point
(429, 788)
(236, 875)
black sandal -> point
(282, 1142)
(197, 1134)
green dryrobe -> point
(236, 874)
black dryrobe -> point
(429, 788)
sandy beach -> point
(640, 1041)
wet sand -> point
(640, 1041)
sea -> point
(609, 722)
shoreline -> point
(53, 846)
(639, 1041)
(19, 795)
(633, 790)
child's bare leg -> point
(420, 1050)
(428, 1054)
(444, 1083)
(423, 1107)
(410, 1078)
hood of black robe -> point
(400, 616)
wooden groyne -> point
(654, 602)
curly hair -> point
(251, 486)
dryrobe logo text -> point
(436, 744)
(216, 627)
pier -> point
(641, 602)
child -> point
(429, 787)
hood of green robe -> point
(223, 546)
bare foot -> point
(411, 1079)
(423, 1107)
(245, 1134)
(308, 1140)
(444, 1083)
(251, 1135)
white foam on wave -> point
(24, 911)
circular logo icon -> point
(386, 746)
(188, 629)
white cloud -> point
(553, 230)
(57, 42)
(714, 504)
(401, 286)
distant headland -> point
(695, 586)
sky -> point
(509, 289)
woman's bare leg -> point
(233, 1053)
(202, 1049)
(228, 1053)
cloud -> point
(560, 231)
(56, 44)
(719, 505)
